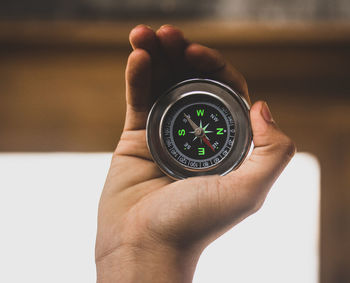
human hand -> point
(150, 227)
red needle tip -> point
(207, 142)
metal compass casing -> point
(199, 127)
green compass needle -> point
(205, 129)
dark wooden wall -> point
(62, 89)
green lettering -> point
(181, 132)
(201, 151)
(200, 112)
(219, 131)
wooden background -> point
(62, 89)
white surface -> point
(48, 208)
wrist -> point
(138, 264)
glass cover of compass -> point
(199, 127)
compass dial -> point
(198, 131)
(199, 127)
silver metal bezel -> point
(235, 103)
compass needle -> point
(193, 125)
(207, 142)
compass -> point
(199, 127)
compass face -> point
(198, 131)
(199, 127)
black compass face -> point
(199, 127)
(198, 131)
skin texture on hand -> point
(151, 228)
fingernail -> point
(166, 26)
(144, 25)
(266, 113)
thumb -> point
(272, 152)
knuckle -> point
(253, 205)
(256, 206)
(253, 200)
(257, 203)
(288, 147)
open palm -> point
(140, 206)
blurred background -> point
(62, 90)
